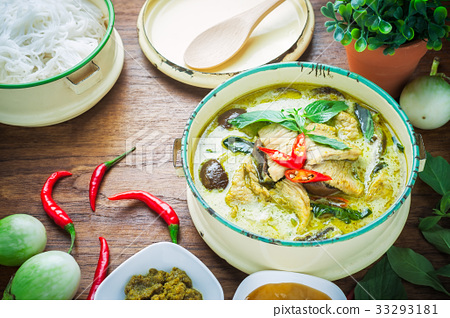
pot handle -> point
(84, 78)
(176, 150)
(422, 151)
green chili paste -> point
(160, 285)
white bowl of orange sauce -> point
(281, 285)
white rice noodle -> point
(43, 38)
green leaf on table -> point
(333, 143)
(436, 174)
(414, 268)
(428, 222)
(444, 205)
(439, 237)
(443, 271)
(380, 283)
(320, 111)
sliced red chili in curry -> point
(299, 151)
(295, 160)
(279, 157)
(305, 176)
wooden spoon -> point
(221, 42)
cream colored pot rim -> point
(87, 59)
(313, 66)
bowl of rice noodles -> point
(58, 58)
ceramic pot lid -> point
(166, 28)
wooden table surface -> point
(145, 102)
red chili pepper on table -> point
(102, 266)
(97, 176)
(159, 206)
(53, 210)
(305, 176)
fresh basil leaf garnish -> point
(414, 268)
(321, 111)
(249, 118)
(333, 143)
(238, 144)
(436, 174)
(290, 124)
(298, 119)
(365, 121)
(380, 283)
(344, 214)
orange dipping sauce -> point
(286, 291)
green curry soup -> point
(254, 193)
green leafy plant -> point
(436, 174)
(380, 283)
(374, 23)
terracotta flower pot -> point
(390, 72)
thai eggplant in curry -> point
(299, 163)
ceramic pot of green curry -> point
(299, 167)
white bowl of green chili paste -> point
(327, 205)
(161, 271)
